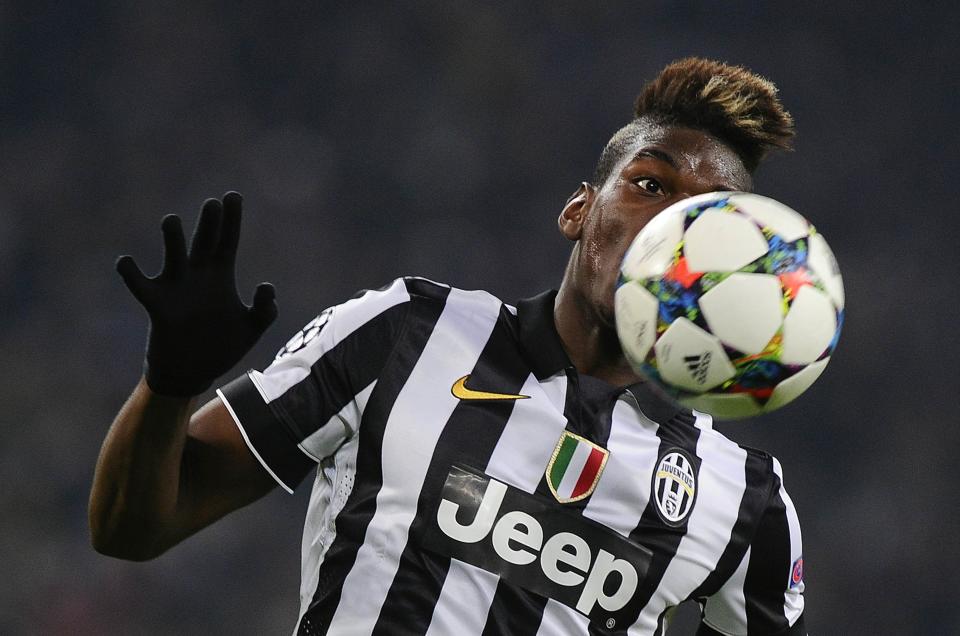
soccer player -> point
(479, 468)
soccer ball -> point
(731, 301)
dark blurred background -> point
(441, 139)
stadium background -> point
(442, 139)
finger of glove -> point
(174, 247)
(134, 278)
(264, 310)
(230, 227)
(207, 233)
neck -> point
(590, 339)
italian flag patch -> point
(575, 467)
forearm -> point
(133, 501)
(165, 472)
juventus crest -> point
(674, 486)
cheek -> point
(607, 242)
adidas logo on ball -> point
(698, 366)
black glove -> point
(199, 327)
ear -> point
(575, 211)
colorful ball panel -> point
(824, 265)
(723, 405)
(721, 240)
(809, 327)
(654, 254)
(690, 358)
(636, 311)
(796, 384)
(744, 310)
(773, 215)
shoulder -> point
(417, 288)
(411, 298)
(428, 295)
(762, 473)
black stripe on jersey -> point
(278, 451)
(583, 394)
(597, 400)
(514, 611)
(768, 571)
(426, 304)
(757, 470)
(340, 373)
(588, 409)
(498, 368)
(663, 540)
(660, 621)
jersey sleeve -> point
(764, 596)
(310, 400)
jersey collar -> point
(543, 350)
(539, 339)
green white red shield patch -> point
(575, 467)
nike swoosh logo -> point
(460, 391)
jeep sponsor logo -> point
(536, 545)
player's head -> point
(699, 126)
(738, 107)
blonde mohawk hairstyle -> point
(735, 105)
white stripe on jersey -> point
(350, 316)
(622, 495)
(331, 488)
(720, 486)
(793, 596)
(560, 620)
(326, 439)
(420, 413)
(535, 426)
(726, 611)
(466, 595)
(534, 423)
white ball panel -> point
(744, 310)
(796, 384)
(700, 199)
(728, 406)
(635, 309)
(809, 326)
(824, 265)
(719, 241)
(784, 221)
(690, 358)
(651, 253)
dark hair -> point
(733, 104)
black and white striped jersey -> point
(470, 481)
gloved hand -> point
(199, 327)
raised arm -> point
(163, 474)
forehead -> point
(693, 153)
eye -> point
(649, 185)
